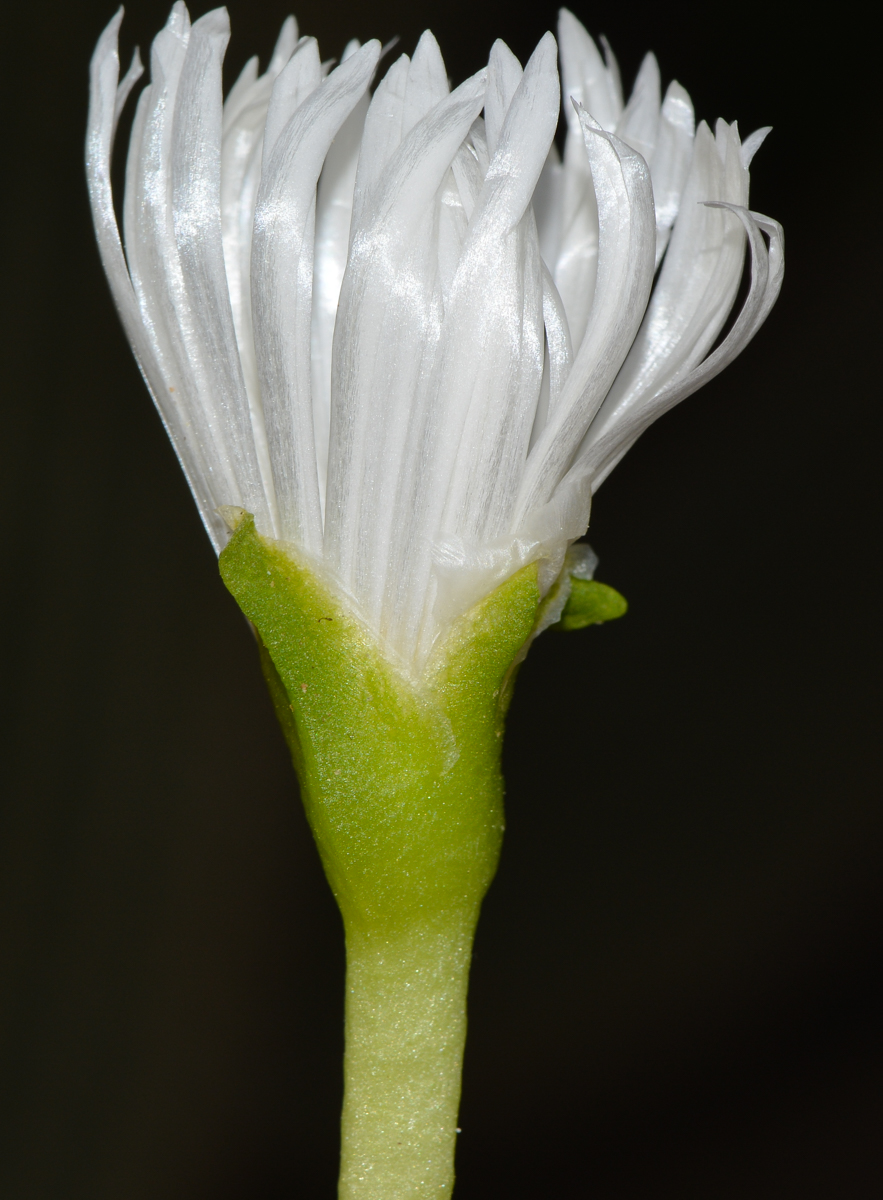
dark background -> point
(677, 980)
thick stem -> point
(400, 779)
(405, 1032)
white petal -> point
(131, 77)
(282, 278)
(383, 131)
(386, 331)
(203, 308)
(427, 82)
(469, 169)
(671, 161)
(156, 270)
(585, 77)
(298, 80)
(99, 138)
(286, 44)
(492, 355)
(697, 283)
(639, 124)
(548, 199)
(767, 271)
(753, 143)
(245, 115)
(240, 94)
(503, 77)
(558, 357)
(334, 207)
(559, 345)
(625, 274)
(614, 78)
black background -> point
(677, 980)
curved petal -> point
(671, 161)
(767, 272)
(203, 310)
(282, 278)
(104, 107)
(585, 77)
(334, 209)
(503, 77)
(638, 126)
(387, 327)
(697, 284)
(625, 275)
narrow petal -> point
(753, 143)
(241, 93)
(767, 271)
(286, 44)
(503, 77)
(103, 96)
(558, 357)
(203, 311)
(638, 126)
(334, 208)
(299, 79)
(245, 114)
(671, 161)
(282, 279)
(387, 328)
(697, 284)
(625, 274)
(185, 401)
(382, 135)
(585, 77)
(427, 82)
(131, 77)
(548, 201)
(492, 356)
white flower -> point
(405, 335)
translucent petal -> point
(585, 76)
(334, 207)
(245, 114)
(427, 82)
(203, 307)
(671, 161)
(104, 73)
(157, 274)
(282, 275)
(503, 77)
(625, 274)
(767, 270)
(639, 124)
(753, 143)
(548, 200)
(387, 327)
(383, 131)
(697, 283)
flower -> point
(399, 329)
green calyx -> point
(590, 603)
(400, 778)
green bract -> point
(590, 603)
(401, 778)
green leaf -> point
(590, 603)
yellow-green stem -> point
(405, 1033)
(401, 783)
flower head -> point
(399, 328)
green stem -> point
(400, 779)
(405, 1033)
